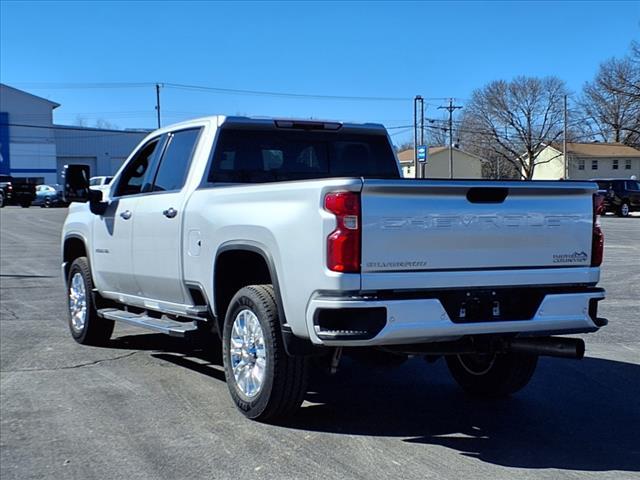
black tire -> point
(25, 204)
(1, 200)
(96, 330)
(285, 378)
(47, 202)
(497, 375)
(624, 209)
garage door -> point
(62, 161)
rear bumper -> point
(409, 321)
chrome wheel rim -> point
(625, 210)
(248, 353)
(77, 302)
(477, 364)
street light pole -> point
(418, 132)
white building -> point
(465, 164)
(587, 161)
(31, 145)
(103, 150)
(27, 142)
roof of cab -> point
(268, 123)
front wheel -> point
(86, 326)
(492, 375)
(264, 382)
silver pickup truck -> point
(297, 239)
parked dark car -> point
(6, 190)
(17, 191)
(621, 196)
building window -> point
(615, 164)
(581, 164)
(594, 164)
(627, 164)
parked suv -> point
(620, 196)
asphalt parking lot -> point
(150, 407)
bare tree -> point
(514, 121)
(404, 146)
(437, 132)
(105, 124)
(81, 121)
(610, 103)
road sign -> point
(422, 153)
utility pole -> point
(158, 102)
(451, 107)
(418, 132)
(564, 142)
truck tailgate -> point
(428, 226)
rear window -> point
(256, 156)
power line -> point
(237, 91)
(72, 86)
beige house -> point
(588, 160)
(465, 165)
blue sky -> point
(372, 49)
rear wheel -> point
(492, 375)
(264, 382)
(623, 210)
(86, 326)
(1, 200)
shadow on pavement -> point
(574, 415)
(183, 353)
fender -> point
(293, 344)
(65, 264)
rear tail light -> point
(343, 244)
(597, 243)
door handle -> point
(170, 212)
(126, 214)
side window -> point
(174, 165)
(137, 172)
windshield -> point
(254, 156)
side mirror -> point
(76, 183)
